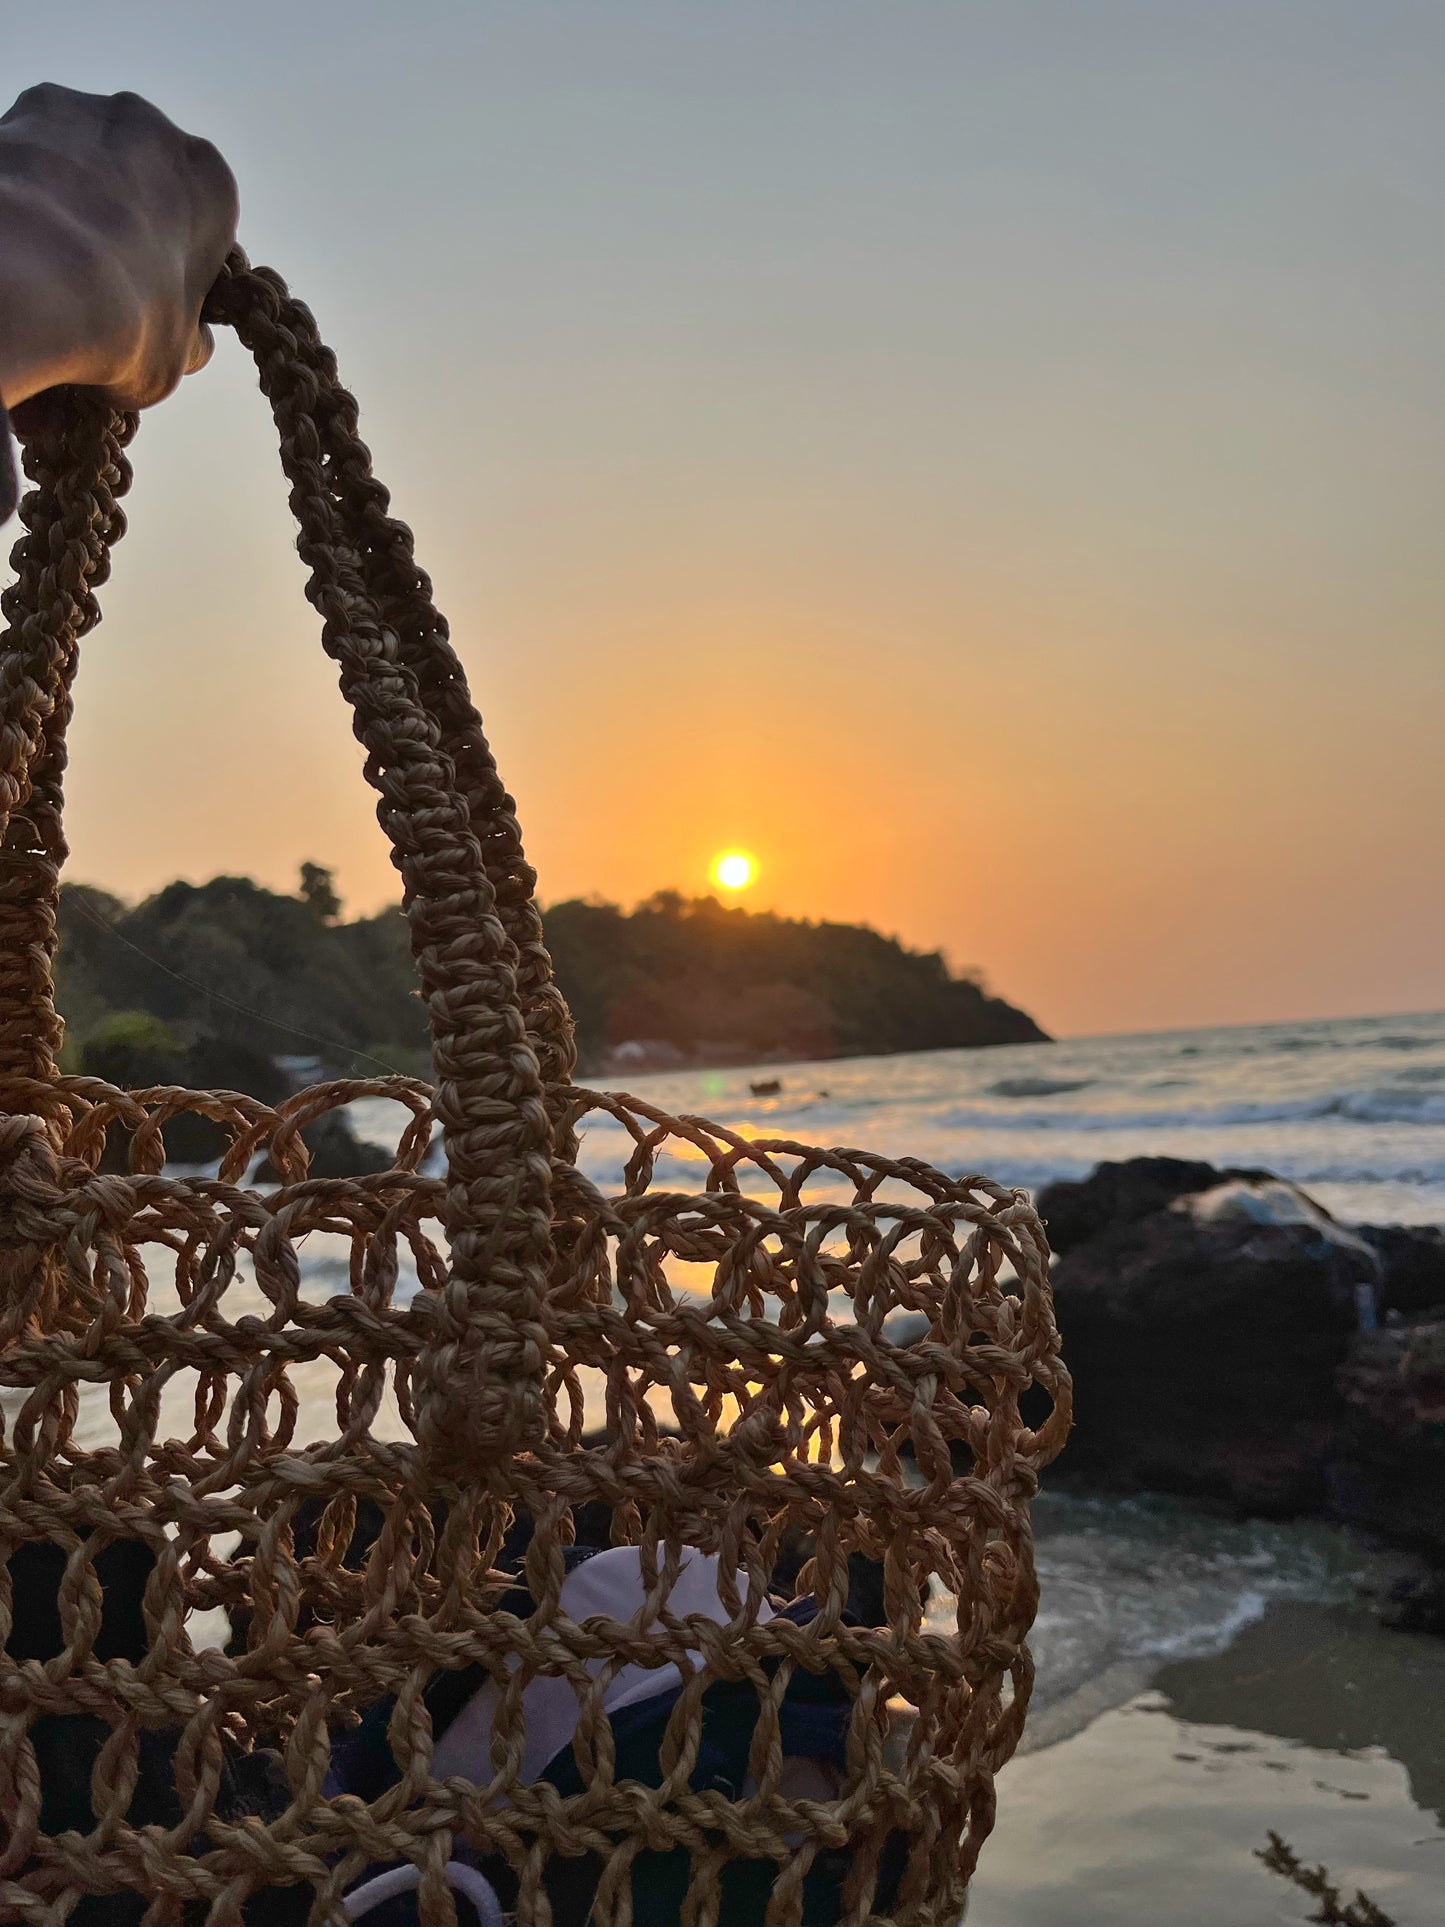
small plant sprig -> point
(1282, 1859)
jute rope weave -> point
(721, 1312)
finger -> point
(162, 374)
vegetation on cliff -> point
(719, 983)
(209, 982)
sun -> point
(734, 869)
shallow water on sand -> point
(1201, 1682)
(1315, 1723)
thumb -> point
(203, 346)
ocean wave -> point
(1151, 1580)
(1393, 1106)
(1032, 1174)
(1037, 1086)
(1201, 1637)
(1305, 1172)
(1387, 1106)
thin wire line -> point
(292, 1030)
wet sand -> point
(1315, 1722)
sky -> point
(984, 459)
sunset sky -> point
(987, 461)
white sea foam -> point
(1353, 1110)
(1142, 1581)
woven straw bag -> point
(222, 1600)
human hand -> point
(113, 225)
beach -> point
(1154, 1812)
(1202, 1682)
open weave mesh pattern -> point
(477, 1348)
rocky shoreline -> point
(1233, 1343)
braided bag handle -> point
(501, 1035)
(75, 455)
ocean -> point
(1353, 1109)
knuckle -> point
(46, 100)
(211, 168)
(45, 93)
(132, 117)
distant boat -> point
(766, 1087)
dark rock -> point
(224, 1064)
(336, 1152)
(1416, 1603)
(1390, 1476)
(1211, 1323)
(188, 1139)
(1412, 1265)
(1074, 1212)
(134, 1051)
(1204, 1356)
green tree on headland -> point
(724, 984)
(318, 888)
(229, 973)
